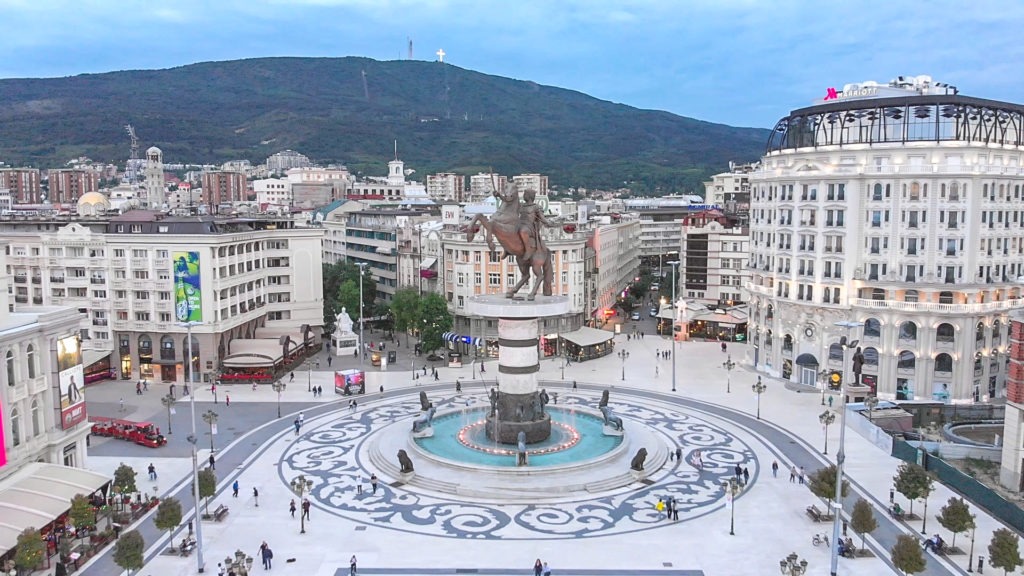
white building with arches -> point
(899, 206)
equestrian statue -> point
(517, 226)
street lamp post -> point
(848, 344)
(675, 272)
(871, 402)
(970, 556)
(759, 389)
(241, 564)
(728, 365)
(210, 417)
(301, 486)
(732, 488)
(278, 387)
(168, 401)
(309, 375)
(826, 418)
(362, 342)
(622, 354)
(792, 565)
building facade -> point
(713, 259)
(898, 207)
(39, 422)
(283, 161)
(371, 237)
(24, 184)
(223, 187)
(256, 273)
(617, 259)
(156, 196)
(273, 191)
(67, 186)
(446, 186)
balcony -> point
(20, 279)
(97, 280)
(21, 299)
(38, 300)
(932, 307)
(99, 321)
(57, 279)
(37, 280)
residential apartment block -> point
(24, 184)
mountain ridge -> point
(445, 118)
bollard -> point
(892, 495)
(981, 564)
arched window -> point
(945, 333)
(770, 313)
(877, 294)
(787, 343)
(870, 356)
(908, 331)
(15, 427)
(945, 297)
(943, 363)
(145, 344)
(979, 333)
(37, 419)
(835, 352)
(30, 354)
(910, 296)
(907, 360)
(12, 377)
(872, 328)
(876, 194)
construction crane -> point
(133, 162)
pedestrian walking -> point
(723, 346)
(830, 401)
(803, 475)
(302, 418)
(775, 468)
(482, 369)
(352, 565)
(373, 482)
(138, 388)
(329, 359)
(671, 455)
(355, 406)
(675, 510)
(297, 426)
(547, 570)
(185, 392)
(145, 385)
(227, 399)
(152, 471)
(746, 476)
(574, 385)
(305, 508)
(172, 390)
(700, 460)
(538, 568)
(382, 389)
(668, 509)
(291, 507)
(679, 454)
(792, 474)
(737, 472)
(212, 463)
(320, 391)
(436, 375)
(256, 496)
(291, 377)
(220, 569)
(268, 556)
(253, 386)
(234, 489)
(121, 402)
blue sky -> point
(739, 62)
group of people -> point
(797, 474)
(846, 547)
(669, 506)
(318, 391)
(936, 544)
(541, 568)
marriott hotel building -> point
(899, 206)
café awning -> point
(428, 263)
(588, 336)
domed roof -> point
(153, 150)
(93, 199)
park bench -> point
(220, 513)
(816, 514)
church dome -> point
(153, 150)
(93, 204)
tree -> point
(1003, 550)
(168, 516)
(128, 551)
(907, 555)
(334, 275)
(30, 550)
(207, 487)
(862, 520)
(348, 299)
(405, 309)
(823, 484)
(913, 482)
(435, 321)
(82, 514)
(956, 517)
(124, 478)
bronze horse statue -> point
(516, 226)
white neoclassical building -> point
(899, 206)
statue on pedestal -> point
(342, 323)
(858, 365)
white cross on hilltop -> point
(440, 55)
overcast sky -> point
(739, 62)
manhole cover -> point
(647, 482)
(666, 564)
(397, 484)
(360, 528)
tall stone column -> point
(516, 402)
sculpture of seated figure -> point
(424, 420)
(521, 449)
(404, 462)
(638, 461)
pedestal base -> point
(611, 431)
(519, 413)
(508, 432)
(426, 433)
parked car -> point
(655, 287)
(634, 316)
(654, 312)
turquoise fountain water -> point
(575, 437)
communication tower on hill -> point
(132, 172)
(410, 47)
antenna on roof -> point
(396, 149)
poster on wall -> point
(71, 378)
(187, 288)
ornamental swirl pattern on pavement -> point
(328, 454)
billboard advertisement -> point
(349, 382)
(187, 290)
(71, 378)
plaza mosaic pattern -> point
(328, 453)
